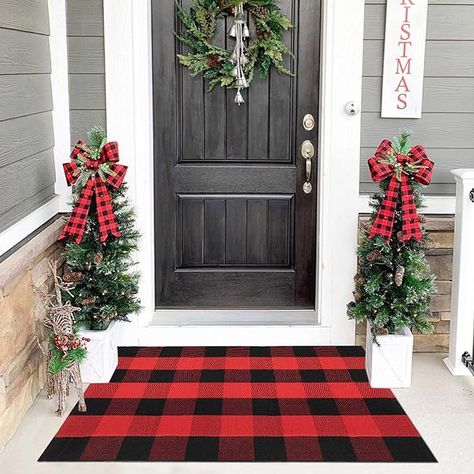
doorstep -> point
(235, 335)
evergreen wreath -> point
(218, 64)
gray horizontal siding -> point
(24, 95)
(442, 58)
(440, 94)
(85, 29)
(25, 15)
(85, 18)
(23, 137)
(35, 173)
(432, 130)
(26, 131)
(446, 127)
(445, 22)
(86, 55)
(84, 120)
(25, 207)
(22, 52)
(86, 91)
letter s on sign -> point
(405, 33)
(402, 101)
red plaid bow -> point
(98, 172)
(401, 168)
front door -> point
(233, 226)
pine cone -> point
(399, 274)
(72, 277)
(262, 35)
(381, 331)
(214, 61)
(374, 255)
(88, 301)
(400, 236)
(357, 295)
(229, 10)
(359, 279)
(98, 258)
(422, 219)
(260, 10)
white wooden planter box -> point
(389, 364)
(102, 357)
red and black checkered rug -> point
(239, 404)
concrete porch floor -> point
(441, 406)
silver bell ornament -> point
(240, 32)
(242, 83)
(239, 99)
(239, 14)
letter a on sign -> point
(404, 58)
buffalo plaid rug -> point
(239, 404)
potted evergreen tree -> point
(99, 258)
(394, 284)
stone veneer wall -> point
(440, 257)
(22, 365)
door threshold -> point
(235, 335)
(234, 318)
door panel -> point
(233, 226)
(231, 230)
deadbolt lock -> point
(308, 122)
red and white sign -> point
(404, 58)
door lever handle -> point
(307, 152)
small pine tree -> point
(105, 288)
(394, 284)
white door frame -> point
(128, 66)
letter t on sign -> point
(404, 58)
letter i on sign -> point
(404, 58)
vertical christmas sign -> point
(404, 58)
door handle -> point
(307, 152)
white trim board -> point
(433, 204)
(237, 317)
(127, 30)
(233, 336)
(60, 94)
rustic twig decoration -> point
(59, 318)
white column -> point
(462, 303)
(128, 76)
(339, 155)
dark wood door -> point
(233, 227)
